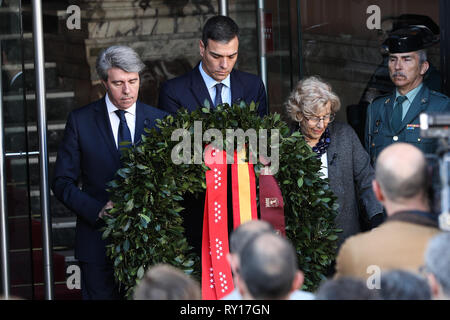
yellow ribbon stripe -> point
(245, 208)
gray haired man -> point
(437, 262)
(90, 153)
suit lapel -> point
(198, 88)
(237, 88)
(139, 125)
(104, 126)
(418, 105)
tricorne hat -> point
(410, 39)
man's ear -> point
(298, 281)
(424, 67)
(377, 191)
(242, 288)
(434, 285)
(233, 260)
(201, 47)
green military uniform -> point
(379, 133)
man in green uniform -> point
(395, 117)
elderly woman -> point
(345, 162)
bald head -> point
(401, 172)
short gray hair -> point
(404, 285)
(308, 95)
(121, 57)
(437, 260)
(422, 56)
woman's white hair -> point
(309, 95)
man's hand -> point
(108, 205)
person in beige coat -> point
(400, 184)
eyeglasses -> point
(315, 120)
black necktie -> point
(218, 98)
(124, 132)
(397, 113)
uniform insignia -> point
(412, 126)
(423, 100)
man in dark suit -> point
(214, 79)
(89, 153)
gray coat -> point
(350, 175)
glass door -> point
(340, 41)
(24, 232)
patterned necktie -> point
(124, 132)
(397, 113)
(218, 98)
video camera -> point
(437, 125)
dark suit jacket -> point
(189, 91)
(350, 175)
(88, 154)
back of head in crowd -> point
(401, 172)
(437, 266)
(346, 288)
(404, 285)
(268, 268)
(164, 282)
(245, 232)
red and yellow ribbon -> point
(244, 190)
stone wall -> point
(164, 33)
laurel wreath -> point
(145, 226)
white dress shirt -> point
(211, 83)
(130, 116)
(324, 166)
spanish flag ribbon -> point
(244, 189)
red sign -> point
(268, 32)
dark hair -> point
(404, 285)
(219, 28)
(268, 266)
(346, 288)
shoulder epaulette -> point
(383, 96)
(439, 94)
